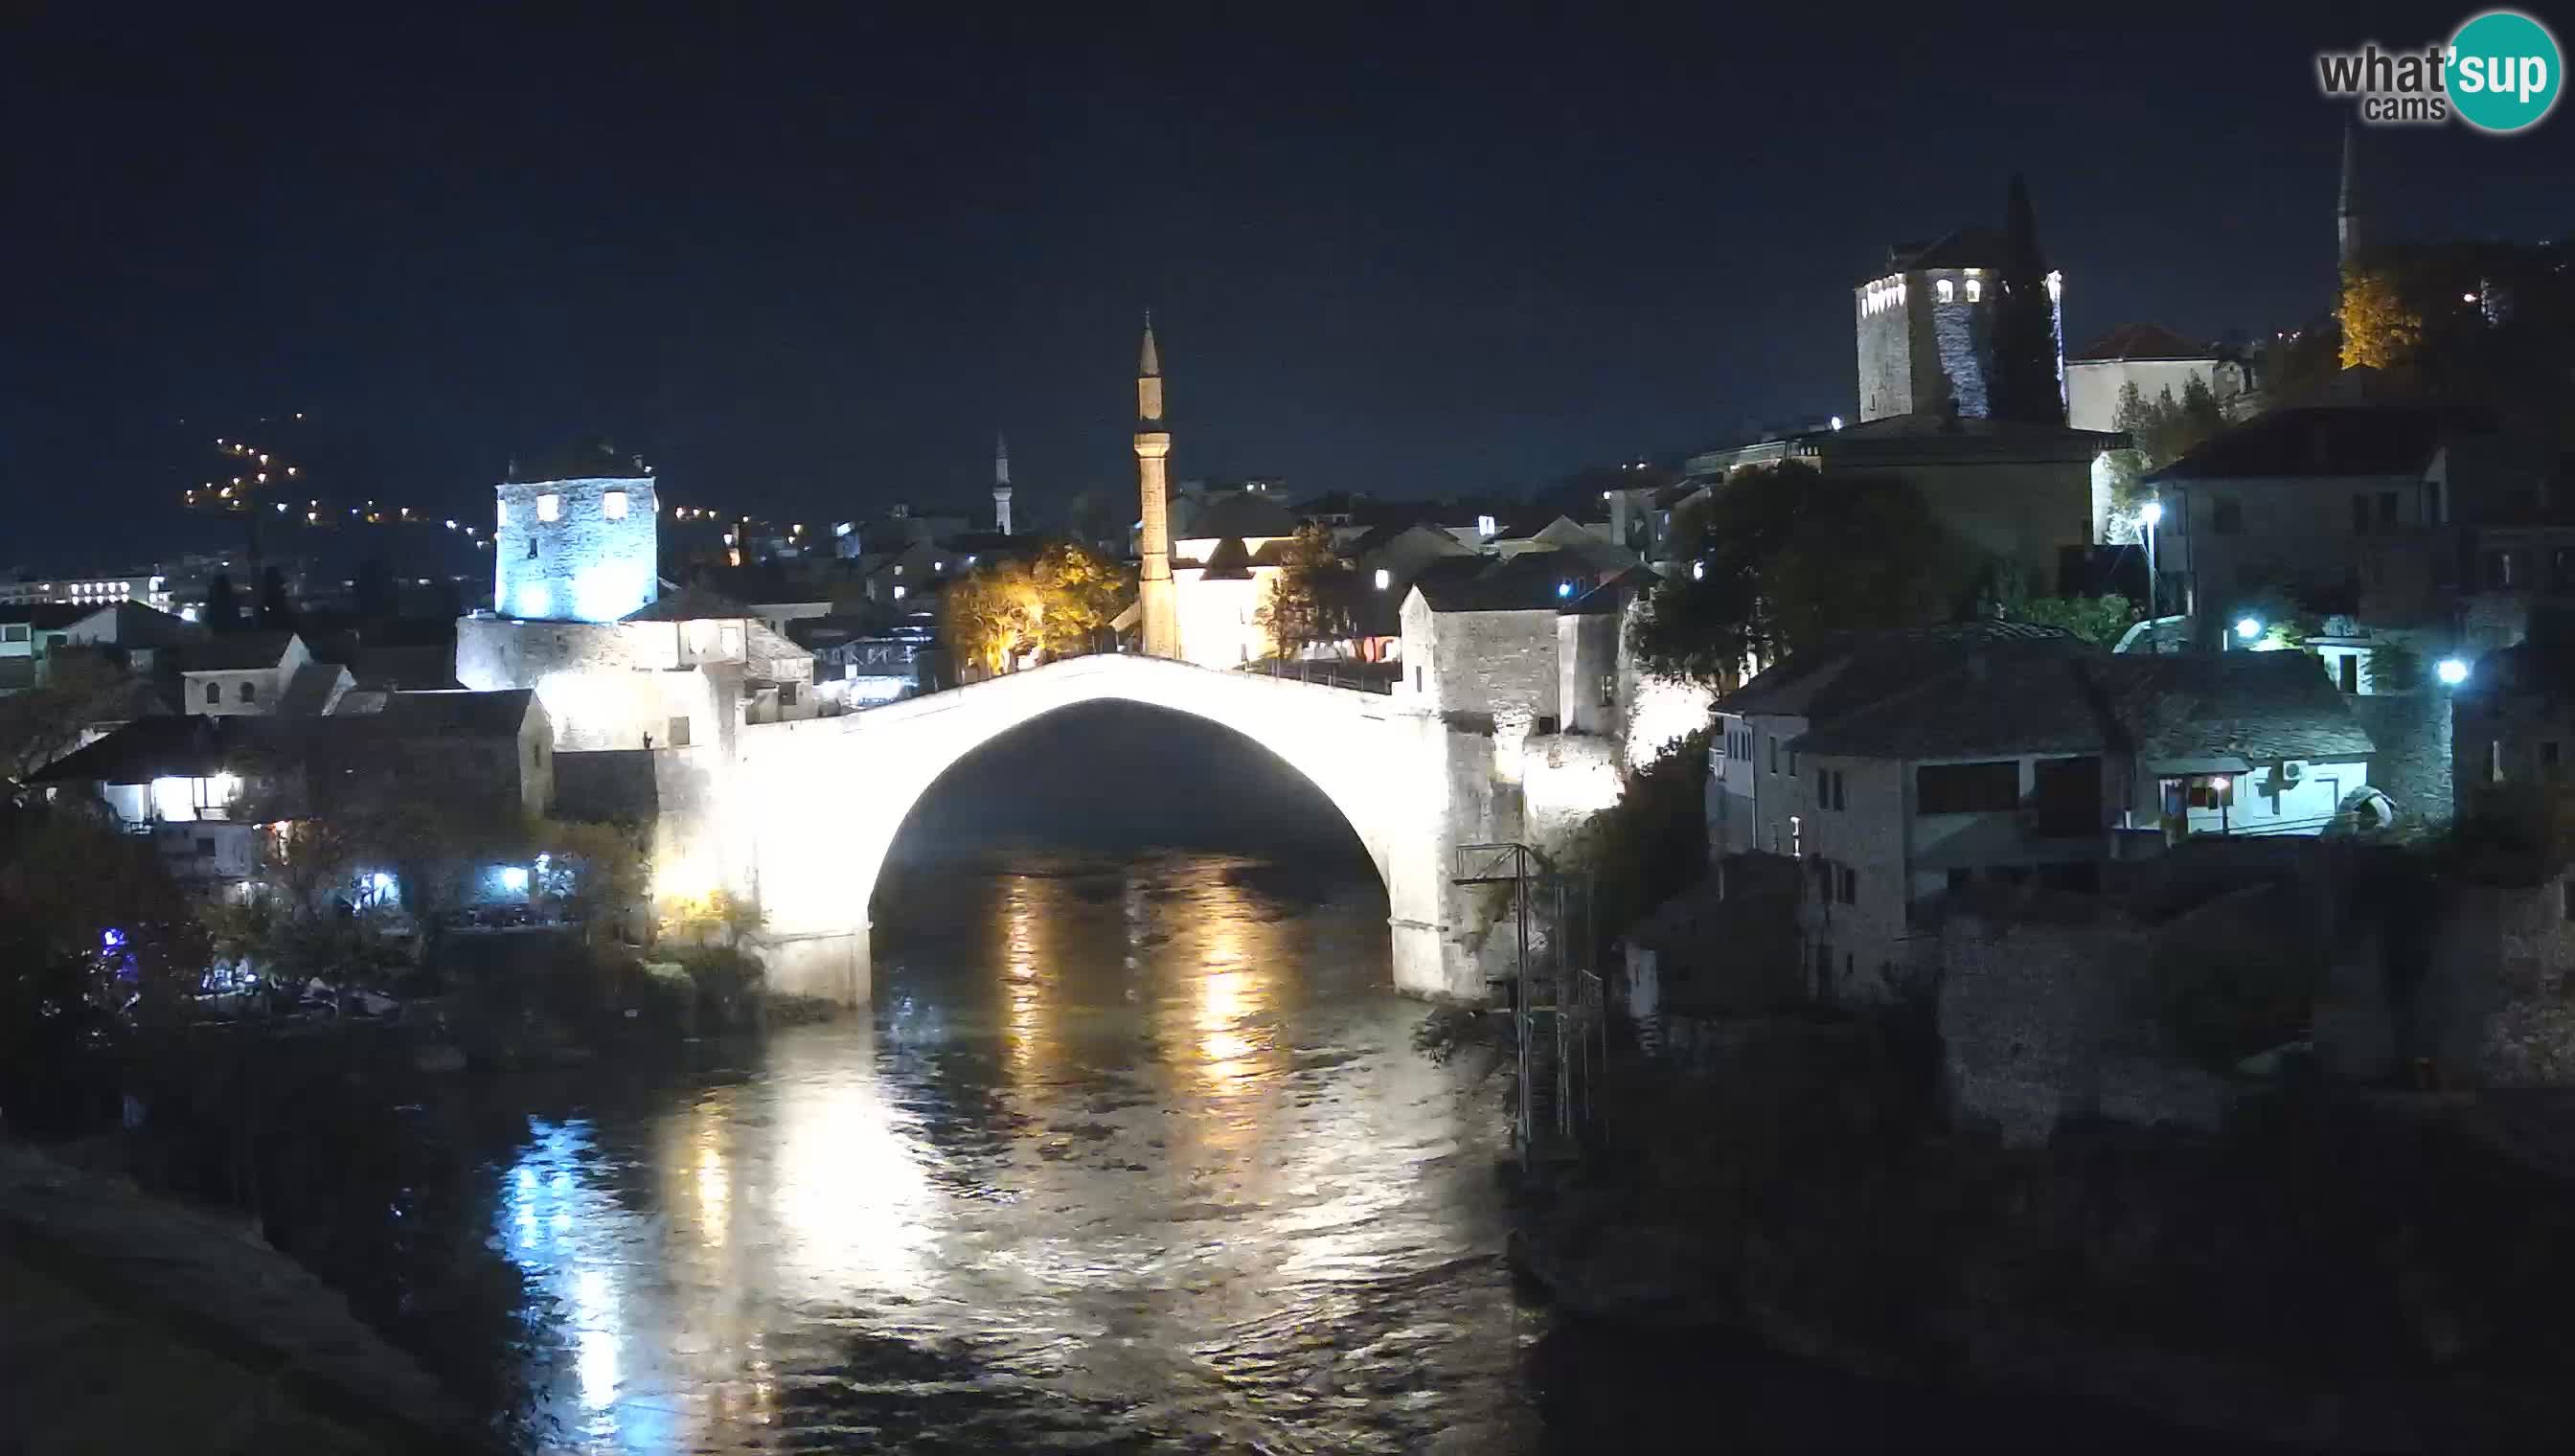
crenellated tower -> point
(1157, 609)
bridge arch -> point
(816, 805)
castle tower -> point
(577, 540)
(1159, 609)
(2347, 206)
(1001, 483)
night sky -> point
(809, 261)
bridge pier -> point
(827, 966)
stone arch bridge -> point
(814, 807)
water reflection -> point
(1133, 1154)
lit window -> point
(1485, 526)
(1948, 291)
(1384, 578)
(613, 504)
(549, 507)
(1976, 290)
(898, 592)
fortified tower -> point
(1156, 605)
(1001, 483)
(577, 542)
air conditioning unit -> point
(2292, 770)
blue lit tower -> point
(578, 540)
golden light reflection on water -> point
(1021, 974)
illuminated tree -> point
(1080, 592)
(2378, 329)
(2101, 621)
(989, 615)
(1310, 599)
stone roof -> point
(2370, 440)
(688, 604)
(2016, 701)
(1965, 248)
(1227, 561)
(182, 746)
(1853, 670)
(2258, 707)
(1612, 596)
(45, 616)
(1532, 581)
(456, 713)
(2141, 342)
(309, 688)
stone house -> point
(2512, 723)
(1479, 645)
(1906, 769)
(269, 672)
(2365, 510)
(2157, 361)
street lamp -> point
(2452, 671)
(2248, 628)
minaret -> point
(1001, 483)
(2347, 208)
(1159, 609)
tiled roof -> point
(309, 689)
(46, 616)
(177, 746)
(2012, 701)
(1612, 596)
(2143, 342)
(1240, 513)
(2369, 440)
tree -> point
(595, 871)
(989, 616)
(1783, 557)
(272, 599)
(80, 690)
(1310, 599)
(374, 589)
(1079, 593)
(2379, 329)
(223, 608)
(2022, 382)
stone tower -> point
(1001, 483)
(577, 540)
(2347, 239)
(1158, 608)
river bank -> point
(138, 1326)
(2338, 1274)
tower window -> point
(1948, 291)
(613, 504)
(549, 507)
(1976, 290)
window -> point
(1416, 679)
(2227, 514)
(612, 503)
(786, 694)
(1948, 291)
(1796, 836)
(679, 731)
(1839, 799)
(2494, 761)
(1384, 578)
(214, 693)
(2348, 666)
(248, 691)
(2360, 514)
(13, 632)
(2500, 575)
(1956, 788)
(2211, 791)
(1846, 884)
(549, 507)
(1608, 690)
(1774, 755)
(532, 547)
(1485, 526)
(2548, 753)
(1976, 290)
(2386, 509)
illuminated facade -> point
(1157, 609)
(1924, 328)
(574, 549)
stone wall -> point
(2413, 765)
(583, 564)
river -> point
(1135, 1153)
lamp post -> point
(2153, 516)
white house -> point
(2154, 359)
(258, 673)
(1901, 768)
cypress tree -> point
(2021, 381)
